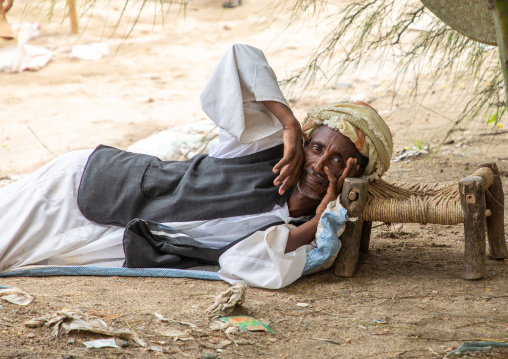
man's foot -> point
(231, 3)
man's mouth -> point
(315, 177)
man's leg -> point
(40, 219)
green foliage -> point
(494, 119)
(418, 145)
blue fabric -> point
(328, 244)
(3, 287)
(474, 347)
(111, 271)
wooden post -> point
(494, 201)
(365, 240)
(472, 198)
(72, 16)
(353, 198)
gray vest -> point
(118, 186)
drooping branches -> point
(417, 45)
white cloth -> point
(260, 261)
(242, 76)
(41, 222)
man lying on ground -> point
(253, 204)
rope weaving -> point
(404, 202)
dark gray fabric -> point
(118, 186)
(154, 245)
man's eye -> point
(337, 160)
(315, 148)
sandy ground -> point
(407, 299)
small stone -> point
(71, 341)
(348, 340)
(209, 355)
(303, 305)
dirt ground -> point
(407, 299)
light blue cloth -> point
(328, 244)
(111, 271)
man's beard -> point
(313, 194)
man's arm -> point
(290, 166)
(305, 233)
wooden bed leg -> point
(472, 198)
(353, 198)
(365, 240)
(494, 200)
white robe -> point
(41, 224)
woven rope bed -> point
(405, 202)
(476, 201)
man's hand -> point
(290, 166)
(335, 185)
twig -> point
(42, 143)
(135, 333)
(375, 324)
(489, 340)
(326, 340)
(493, 133)
(469, 325)
(391, 352)
(162, 318)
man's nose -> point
(319, 165)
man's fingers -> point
(289, 171)
(330, 175)
(350, 171)
(288, 160)
(283, 162)
(288, 176)
(351, 168)
(332, 185)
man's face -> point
(328, 148)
